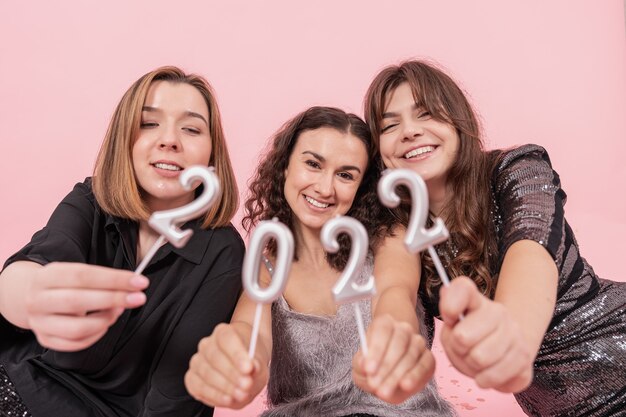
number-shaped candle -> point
(252, 263)
(417, 237)
(166, 221)
(347, 290)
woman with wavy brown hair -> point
(322, 164)
(538, 322)
(81, 334)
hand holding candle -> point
(347, 290)
(252, 262)
(101, 314)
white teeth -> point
(168, 167)
(315, 202)
(419, 151)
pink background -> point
(549, 72)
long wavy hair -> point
(266, 198)
(114, 184)
(472, 247)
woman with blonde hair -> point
(81, 334)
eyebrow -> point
(187, 113)
(341, 168)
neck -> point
(155, 204)
(310, 249)
(146, 231)
(438, 191)
(147, 237)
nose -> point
(169, 140)
(412, 130)
(324, 185)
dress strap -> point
(268, 265)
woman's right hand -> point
(70, 306)
(221, 374)
(398, 363)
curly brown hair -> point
(472, 247)
(266, 199)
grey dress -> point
(311, 367)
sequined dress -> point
(311, 367)
(580, 369)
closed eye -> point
(423, 115)
(388, 127)
(312, 163)
(192, 130)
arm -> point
(397, 273)
(221, 374)
(529, 278)
(15, 281)
(46, 286)
(498, 341)
(398, 363)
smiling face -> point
(411, 138)
(325, 170)
(174, 134)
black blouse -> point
(137, 368)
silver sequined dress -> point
(580, 369)
(311, 367)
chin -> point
(314, 224)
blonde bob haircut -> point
(114, 183)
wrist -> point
(15, 285)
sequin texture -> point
(580, 369)
(11, 404)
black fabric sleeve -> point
(67, 235)
(530, 201)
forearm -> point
(242, 321)
(15, 282)
(263, 350)
(398, 303)
(397, 274)
(527, 288)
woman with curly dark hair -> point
(322, 163)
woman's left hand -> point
(397, 364)
(487, 345)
